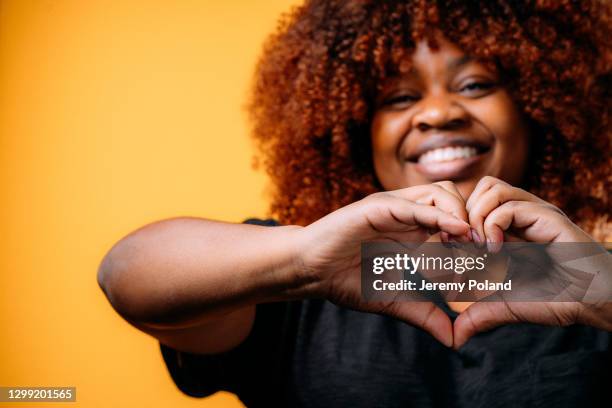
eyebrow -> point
(452, 65)
(458, 62)
(455, 63)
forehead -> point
(446, 53)
(442, 60)
(436, 62)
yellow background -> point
(113, 114)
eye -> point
(400, 101)
(477, 88)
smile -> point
(449, 159)
(446, 154)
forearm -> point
(187, 271)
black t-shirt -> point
(312, 353)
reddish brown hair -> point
(315, 85)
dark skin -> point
(449, 99)
(181, 280)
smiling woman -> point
(411, 121)
(527, 79)
(447, 118)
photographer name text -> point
(472, 284)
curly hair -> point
(313, 95)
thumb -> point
(425, 315)
(480, 317)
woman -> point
(405, 120)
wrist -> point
(573, 233)
(301, 280)
(283, 274)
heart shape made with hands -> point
(498, 212)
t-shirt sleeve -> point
(246, 370)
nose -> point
(439, 111)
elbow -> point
(104, 272)
(121, 281)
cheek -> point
(504, 121)
(387, 131)
(500, 116)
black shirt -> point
(312, 353)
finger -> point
(425, 315)
(509, 237)
(484, 184)
(451, 188)
(443, 195)
(461, 211)
(489, 200)
(428, 217)
(486, 315)
(498, 221)
(389, 214)
(533, 222)
(480, 317)
(417, 236)
(501, 219)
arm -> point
(193, 283)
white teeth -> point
(444, 154)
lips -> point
(449, 153)
(442, 157)
(440, 141)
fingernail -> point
(444, 239)
(449, 341)
(493, 247)
(476, 238)
(464, 239)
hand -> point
(332, 247)
(483, 316)
(499, 212)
